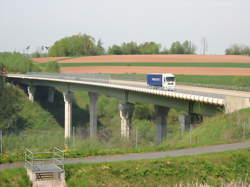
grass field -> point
(14, 178)
(157, 64)
(213, 169)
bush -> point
(15, 62)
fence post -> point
(136, 138)
(1, 141)
(190, 134)
(244, 130)
(73, 142)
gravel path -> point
(142, 156)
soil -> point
(146, 70)
(160, 58)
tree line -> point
(238, 50)
(86, 45)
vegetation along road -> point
(150, 155)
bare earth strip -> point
(149, 155)
(160, 58)
(47, 59)
(146, 70)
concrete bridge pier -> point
(31, 93)
(190, 119)
(126, 113)
(67, 95)
(161, 122)
(51, 95)
(185, 122)
(93, 97)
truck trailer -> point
(165, 81)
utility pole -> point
(204, 45)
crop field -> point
(160, 58)
(146, 70)
(144, 64)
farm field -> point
(146, 70)
(143, 64)
(160, 58)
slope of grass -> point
(213, 169)
(224, 128)
(157, 64)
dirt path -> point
(149, 155)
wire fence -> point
(141, 136)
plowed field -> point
(145, 70)
(160, 58)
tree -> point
(149, 48)
(130, 48)
(176, 48)
(115, 50)
(238, 50)
(76, 45)
(99, 48)
(188, 47)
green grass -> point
(224, 128)
(157, 64)
(213, 169)
(14, 178)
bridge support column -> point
(51, 95)
(31, 93)
(93, 97)
(67, 95)
(185, 121)
(126, 113)
(161, 122)
(191, 119)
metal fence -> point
(105, 78)
(36, 159)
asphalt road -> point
(143, 156)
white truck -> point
(165, 81)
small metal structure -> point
(45, 165)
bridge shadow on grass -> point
(80, 117)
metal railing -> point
(105, 78)
(33, 159)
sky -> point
(42, 22)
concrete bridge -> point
(194, 101)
